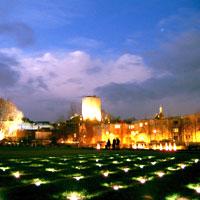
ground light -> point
(16, 174)
(195, 187)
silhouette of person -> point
(114, 144)
(108, 144)
(117, 143)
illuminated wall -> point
(91, 108)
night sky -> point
(135, 55)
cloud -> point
(175, 68)
(68, 76)
(8, 73)
(19, 31)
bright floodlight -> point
(91, 108)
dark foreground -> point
(75, 174)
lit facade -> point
(179, 130)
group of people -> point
(115, 144)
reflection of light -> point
(153, 163)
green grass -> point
(63, 173)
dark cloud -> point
(19, 31)
(74, 80)
(176, 67)
(38, 82)
(93, 70)
(8, 75)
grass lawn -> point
(75, 174)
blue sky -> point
(134, 54)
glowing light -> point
(16, 174)
(141, 124)
(126, 169)
(153, 163)
(2, 135)
(75, 196)
(166, 147)
(160, 173)
(51, 170)
(117, 126)
(174, 147)
(195, 187)
(38, 182)
(141, 179)
(182, 165)
(161, 147)
(91, 108)
(99, 165)
(116, 187)
(106, 173)
(78, 177)
(4, 168)
(98, 146)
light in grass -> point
(105, 173)
(128, 160)
(74, 195)
(141, 179)
(37, 182)
(114, 186)
(153, 163)
(195, 187)
(160, 173)
(51, 170)
(16, 174)
(172, 168)
(4, 168)
(78, 178)
(99, 165)
(175, 197)
(125, 169)
(182, 165)
(36, 165)
(115, 162)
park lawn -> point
(71, 173)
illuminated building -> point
(91, 108)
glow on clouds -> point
(73, 74)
